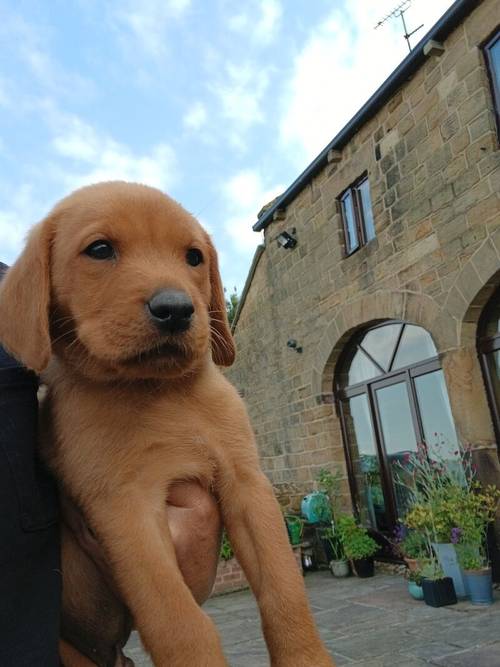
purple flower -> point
(455, 535)
(400, 532)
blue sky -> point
(220, 104)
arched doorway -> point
(488, 345)
(392, 396)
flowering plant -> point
(449, 504)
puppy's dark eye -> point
(194, 257)
(100, 250)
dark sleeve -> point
(30, 578)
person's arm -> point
(195, 525)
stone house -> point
(370, 319)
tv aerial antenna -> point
(399, 11)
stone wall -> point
(433, 164)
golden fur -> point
(123, 419)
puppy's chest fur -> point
(99, 441)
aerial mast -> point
(399, 11)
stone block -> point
(482, 124)
(450, 126)
(485, 261)
(439, 159)
(392, 177)
(466, 180)
(416, 135)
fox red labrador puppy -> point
(117, 297)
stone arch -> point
(475, 283)
(365, 311)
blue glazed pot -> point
(479, 586)
(415, 590)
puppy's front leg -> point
(258, 535)
(139, 547)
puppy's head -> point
(119, 281)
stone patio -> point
(368, 622)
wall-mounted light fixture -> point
(287, 239)
(292, 344)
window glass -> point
(494, 54)
(365, 462)
(416, 345)
(399, 437)
(352, 241)
(493, 324)
(366, 204)
(380, 343)
(437, 421)
(493, 361)
(360, 369)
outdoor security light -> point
(286, 240)
(292, 344)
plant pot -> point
(439, 592)
(479, 586)
(415, 590)
(294, 524)
(340, 568)
(363, 567)
(447, 558)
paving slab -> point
(364, 623)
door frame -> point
(369, 388)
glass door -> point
(398, 429)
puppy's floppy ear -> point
(25, 300)
(223, 351)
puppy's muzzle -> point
(171, 311)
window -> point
(357, 215)
(492, 53)
(392, 396)
(489, 355)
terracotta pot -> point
(412, 564)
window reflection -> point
(365, 462)
(398, 434)
(437, 421)
(380, 343)
(416, 345)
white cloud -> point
(244, 195)
(260, 22)
(23, 211)
(149, 20)
(196, 117)
(271, 12)
(240, 96)
(339, 66)
(86, 155)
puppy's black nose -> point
(171, 310)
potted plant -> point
(438, 590)
(435, 484)
(474, 512)
(477, 575)
(413, 549)
(414, 578)
(295, 527)
(359, 547)
(339, 565)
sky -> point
(221, 104)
